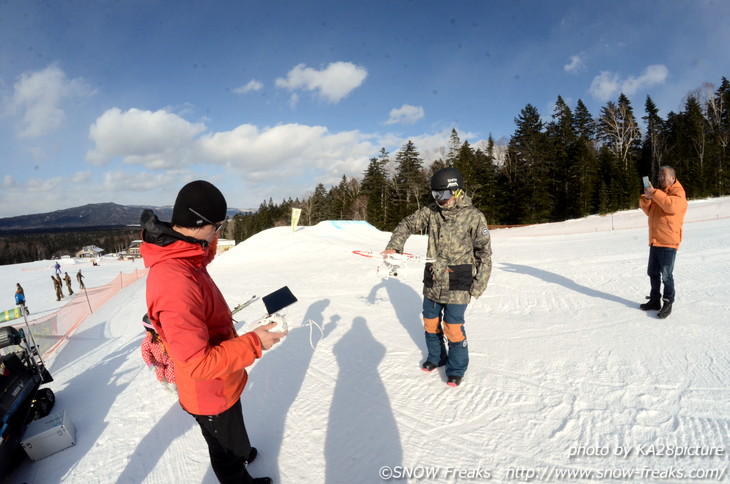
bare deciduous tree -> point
(618, 129)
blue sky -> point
(126, 101)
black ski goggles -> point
(442, 195)
(445, 195)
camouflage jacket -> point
(459, 241)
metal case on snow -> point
(48, 435)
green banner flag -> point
(14, 313)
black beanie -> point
(202, 197)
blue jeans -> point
(660, 269)
(457, 358)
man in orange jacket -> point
(188, 311)
(666, 208)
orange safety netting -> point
(51, 330)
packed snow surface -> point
(566, 373)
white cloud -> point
(38, 98)
(46, 186)
(119, 181)
(405, 114)
(164, 141)
(253, 85)
(332, 83)
(290, 148)
(8, 181)
(575, 65)
(81, 177)
(605, 85)
(157, 140)
(609, 84)
(652, 75)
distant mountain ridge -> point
(91, 215)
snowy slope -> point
(561, 361)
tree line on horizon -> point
(27, 246)
(569, 167)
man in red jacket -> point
(191, 316)
(666, 208)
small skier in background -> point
(155, 356)
(20, 298)
(57, 287)
(67, 278)
(80, 278)
(60, 284)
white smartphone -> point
(646, 181)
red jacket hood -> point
(161, 242)
(180, 249)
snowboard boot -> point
(666, 309)
(436, 350)
(247, 479)
(258, 480)
(454, 381)
(652, 304)
(428, 367)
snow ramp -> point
(325, 236)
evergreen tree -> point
(607, 166)
(718, 111)
(336, 202)
(586, 160)
(373, 184)
(411, 184)
(342, 198)
(528, 169)
(379, 192)
(679, 150)
(654, 146)
(584, 125)
(697, 129)
(320, 205)
(454, 149)
(563, 172)
(485, 196)
(344, 201)
(465, 162)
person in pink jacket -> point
(665, 207)
(155, 356)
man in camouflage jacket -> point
(460, 245)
